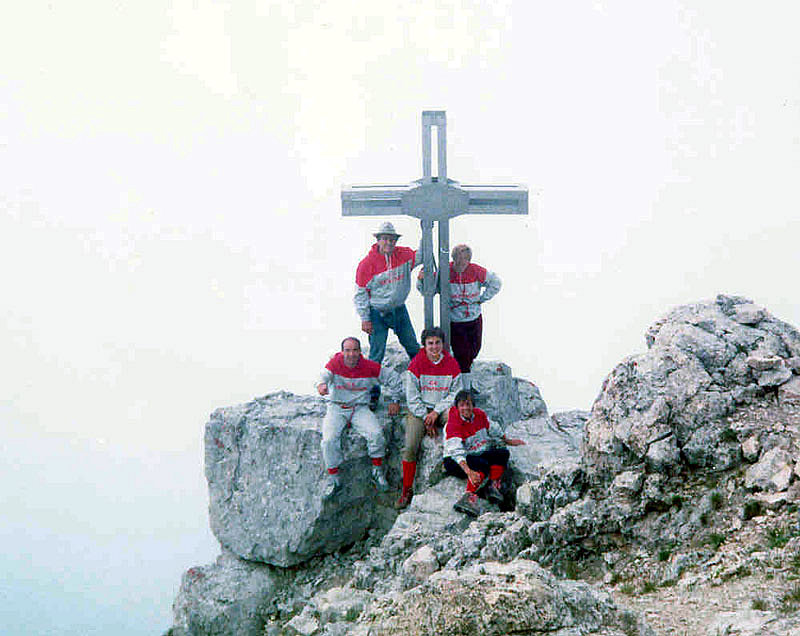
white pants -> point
(364, 423)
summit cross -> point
(434, 199)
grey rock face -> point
(539, 497)
(706, 449)
(497, 391)
(704, 359)
(230, 592)
(549, 465)
(790, 392)
(689, 405)
(549, 442)
(265, 475)
(530, 399)
(340, 603)
(772, 472)
(420, 565)
(429, 518)
(663, 456)
(499, 598)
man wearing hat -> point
(383, 280)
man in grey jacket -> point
(383, 280)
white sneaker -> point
(379, 479)
(332, 485)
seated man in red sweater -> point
(470, 451)
(346, 382)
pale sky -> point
(171, 238)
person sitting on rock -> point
(347, 380)
(470, 451)
(432, 381)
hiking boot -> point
(468, 504)
(494, 491)
(405, 498)
(379, 479)
(332, 485)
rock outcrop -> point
(690, 446)
(666, 419)
(265, 477)
(665, 408)
(491, 598)
(265, 471)
(284, 545)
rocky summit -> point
(670, 507)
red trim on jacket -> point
(473, 273)
(364, 368)
(457, 426)
(421, 365)
(375, 263)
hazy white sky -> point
(171, 237)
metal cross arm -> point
(434, 199)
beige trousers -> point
(415, 431)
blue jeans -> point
(398, 321)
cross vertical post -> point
(431, 118)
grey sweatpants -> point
(364, 423)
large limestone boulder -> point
(229, 596)
(265, 478)
(499, 598)
(667, 406)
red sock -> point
(496, 472)
(377, 461)
(409, 470)
(333, 471)
(472, 487)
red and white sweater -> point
(350, 387)
(468, 290)
(469, 437)
(384, 281)
(465, 291)
(432, 385)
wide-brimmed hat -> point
(386, 228)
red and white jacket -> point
(465, 291)
(468, 290)
(432, 385)
(469, 437)
(384, 281)
(350, 387)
